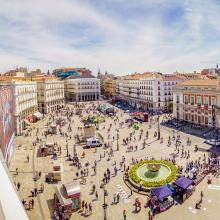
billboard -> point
(7, 122)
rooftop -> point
(199, 83)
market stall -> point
(184, 188)
(68, 196)
(53, 128)
(161, 199)
(37, 116)
(89, 131)
(55, 175)
(47, 149)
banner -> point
(7, 123)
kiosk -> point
(184, 188)
(68, 196)
(161, 199)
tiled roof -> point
(171, 77)
(199, 83)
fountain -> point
(152, 173)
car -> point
(93, 142)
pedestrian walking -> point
(18, 186)
(32, 201)
(35, 191)
(96, 195)
(90, 208)
(124, 214)
(28, 158)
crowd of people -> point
(134, 141)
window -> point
(199, 100)
(213, 101)
(199, 119)
(206, 120)
(177, 99)
(192, 100)
(206, 102)
(186, 99)
(192, 118)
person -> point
(201, 195)
(118, 198)
(18, 186)
(30, 204)
(83, 205)
(35, 191)
(32, 201)
(90, 208)
(124, 214)
(28, 158)
(114, 199)
(16, 171)
(96, 195)
(42, 187)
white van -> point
(93, 142)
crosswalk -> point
(215, 187)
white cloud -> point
(28, 38)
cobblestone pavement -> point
(44, 201)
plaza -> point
(27, 161)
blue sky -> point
(120, 36)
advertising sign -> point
(7, 123)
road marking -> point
(215, 187)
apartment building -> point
(198, 102)
(25, 95)
(147, 91)
(50, 94)
(82, 89)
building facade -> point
(198, 102)
(82, 89)
(148, 91)
(50, 94)
(25, 94)
(7, 122)
(108, 87)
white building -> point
(25, 93)
(148, 91)
(82, 89)
(50, 94)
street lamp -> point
(117, 141)
(104, 205)
(158, 126)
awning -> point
(161, 192)
(183, 182)
(62, 197)
(72, 188)
(38, 115)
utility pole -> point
(104, 205)
(158, 128)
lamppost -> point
(117, 140)
(158, 126)
(104, 205)
(214, 122)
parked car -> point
(93, 142)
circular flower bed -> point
(133, 176)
